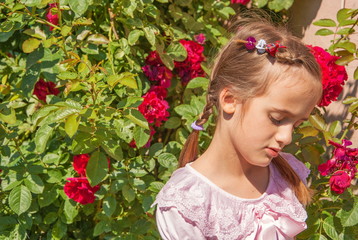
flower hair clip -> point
(261, 46)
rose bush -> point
(97, 99)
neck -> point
(222, 157)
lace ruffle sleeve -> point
(172, 226)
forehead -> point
(295, 90)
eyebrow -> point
(284, 111)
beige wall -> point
(303, 13)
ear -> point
(228, 102)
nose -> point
(284, 135)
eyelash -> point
(275, 121)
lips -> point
(273, 152)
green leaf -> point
(346, 22)
(79, 6)
(156, 186)
(318, 122)
(278, 5)
(150, 35)
(109, 205)
(324, 32)
(128, 193)
(134, 36)
(350, 218)
(167, 160)
(98, 39)
(71, 125)
(349, 46)
(30, 45)
(47, 197)
(345, 60)
(172, 123)
(325, 22)
(99, 228)
(42, 136)
(70, 210)
(67, 75)
(329, 228)
(345, 31)
(167, 60)
(97, 168)
(31, 3)
(151, 11)
(261, 3)
(335, 128)
(177, 51)
(20, 199)
(184, 109)
(136, 117)
(36, 33)
(198, 82)
(355, 75)
(113, 149)
(34, 184)
(59, 230)
(141, 136)
(50, 218)
(8, 116)
(343, 14)
(65, 30)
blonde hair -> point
(246, 74)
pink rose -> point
(42, 89)
(80, 163)
(80, 190)
(339, 181)
(154, 109)
(200, 38)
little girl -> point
(264, 83)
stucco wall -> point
(303, 13)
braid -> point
(190, 150)
(208, 109)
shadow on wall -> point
(302, 14)
(338, 110)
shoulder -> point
(298, 166)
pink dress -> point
(190, 206)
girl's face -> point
(268, 121)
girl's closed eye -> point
(275, 120)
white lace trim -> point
(217, 213)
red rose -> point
(339, 181)
(160, 91)
(154, 109)
(80, 190)
(160, 74)
(52, 18)
(243, 2)
(191, 67)
(42, 89)
(327, 167)
(156, 71)
(333, 75)
(80, 163)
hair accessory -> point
(197, 127)
(261, 46)
(250, 43)
(271, 48)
